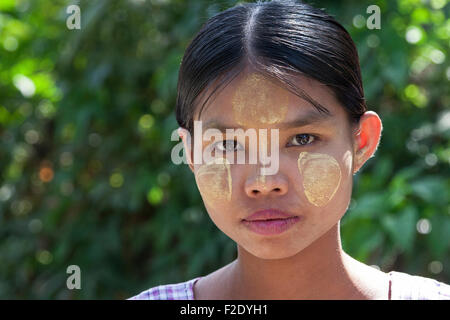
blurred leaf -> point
(439, 237)
(402, 227)
(431, 189)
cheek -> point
(214, 181)
(321, 176)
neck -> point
(320, 271)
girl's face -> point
(316, 164)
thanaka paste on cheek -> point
(321, 176)
(214, 180)
(258, 101)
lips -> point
(270, 222)
(269, 214)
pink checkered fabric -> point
(174, 291)
(402, 286)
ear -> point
(186, 137)
(367, 139)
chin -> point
(271, 253)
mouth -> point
(269, 215)
(270, 222)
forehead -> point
(252, 90)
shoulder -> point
(173, 291)
(404, 286)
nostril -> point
(277, 189)
(255, 192)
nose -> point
(266, 185)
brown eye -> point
(228, 145)
(302, 139)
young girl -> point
(291, 69)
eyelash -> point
(221, 142)
(315, 139)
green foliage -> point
(85, 123)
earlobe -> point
(186, 137)
(367, 139)
(361, 157)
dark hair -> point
(278, 39)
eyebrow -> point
(312, 117)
